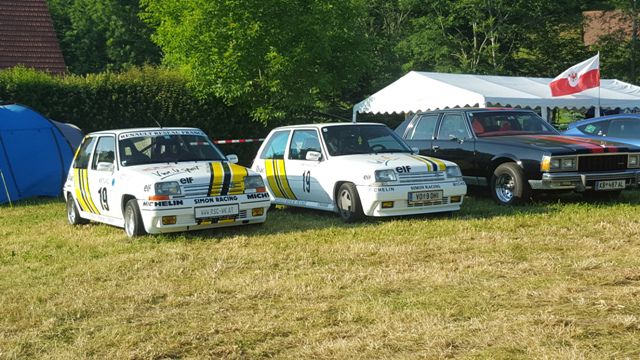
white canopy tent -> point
(422, 91)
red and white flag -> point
(579, 77)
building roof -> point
(602, 23)
(27, 36)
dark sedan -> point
(515, 152)
(621, 128)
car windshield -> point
(152, 147)
(501, 123)
(362, 139)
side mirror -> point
(233, 158)
(415, 150)
(105, 166)
(455, 138)
(313, 155)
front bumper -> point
(185, 218)
(372, 197)
(583, 181)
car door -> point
(454, 142)
(303, 166)
(81, 190)
(101, 176)
(271, 165)
(421, 131)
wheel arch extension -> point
(125, 200)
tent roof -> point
(421, 91)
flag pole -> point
(597, 112)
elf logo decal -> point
(185, 181)
(83, 195)
(226, 179)
(277, 179)
(433, 164)
(403, 169)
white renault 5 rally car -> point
(158, 180)
(355, 169)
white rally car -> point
(158, 180)
(355, 169)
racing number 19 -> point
(103, 198)
(306, 181)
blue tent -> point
(35, 155)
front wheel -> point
(348, 203)
(508, 185)
(73, 215)
(133, 225)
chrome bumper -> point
(582, 181)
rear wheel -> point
(508, 185)
(133, 225)
(73, 215)
(348, 203)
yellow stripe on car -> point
(86, 189)
(419, 158)
(271, 178)
(238, 174)
(282, 174)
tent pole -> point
(6, 189)
(355, 113)
(597, 112)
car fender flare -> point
(499, 159)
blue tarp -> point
(34, 154)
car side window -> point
(453, 126)
(105, 151)
(425, 128)
(624, 128)
(302, 142)
(596, 128)
(84, 153)
(274, 148)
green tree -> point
(98, 35)
(279, 58)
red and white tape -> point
(237, 141)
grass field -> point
(556, 280)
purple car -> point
(624, 128)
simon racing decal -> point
(83, 195)
(433, 164)
(226, 179)
(277, 179)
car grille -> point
(444, 201)
(602, 162)
(418, 177)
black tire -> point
(348, 203)
(601, 195)
(508, 185)
(73, 215)
(133, 225)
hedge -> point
(139, 97)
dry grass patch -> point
(558, 279)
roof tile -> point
(27, 36)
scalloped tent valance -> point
(422, 91)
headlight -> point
(453, 171)
(254, 182)
(385, 175)
(168, 188)
(634, 161)
(565, 163)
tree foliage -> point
(277, 57)
(98, 35)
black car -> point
(515, 152)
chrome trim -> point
(580, 181)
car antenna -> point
(158, 123)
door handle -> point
(435, 148)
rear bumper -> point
(583, 181)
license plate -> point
(216, 211)
(610, 185)
(425, 196)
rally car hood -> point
(173, 171)
(562, 144)
(400, 162)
